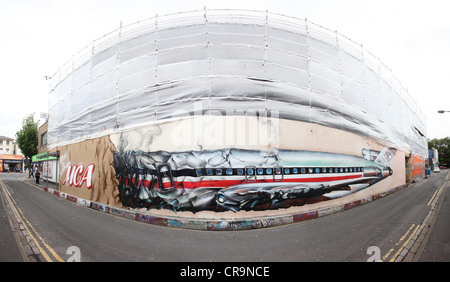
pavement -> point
(14, 244)
(435, 244)
(8, 237)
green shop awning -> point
(42, 157)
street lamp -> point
(441, 111)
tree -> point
(27, 138)
(443, 147)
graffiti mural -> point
(415, 168)
(237, 179)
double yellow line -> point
(438, 192)
(435, 195)
(402, 243)
(46, 251)
(414, 228)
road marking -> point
(31, 184)
(434, 195)
(398, 243)
(28, 227)
(404, 244)
(432, 202)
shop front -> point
(11, 163)
(47, 165)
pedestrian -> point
(32, 171)
(37, 175)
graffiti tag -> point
(77, 175)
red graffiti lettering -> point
(76, 176)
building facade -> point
(220, 110)
(11, 158)
(46, 161)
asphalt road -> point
(374, 231)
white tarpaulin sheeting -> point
(241, 60)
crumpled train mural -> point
(237, 179)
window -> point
(44, 139)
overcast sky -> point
(38, 36)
